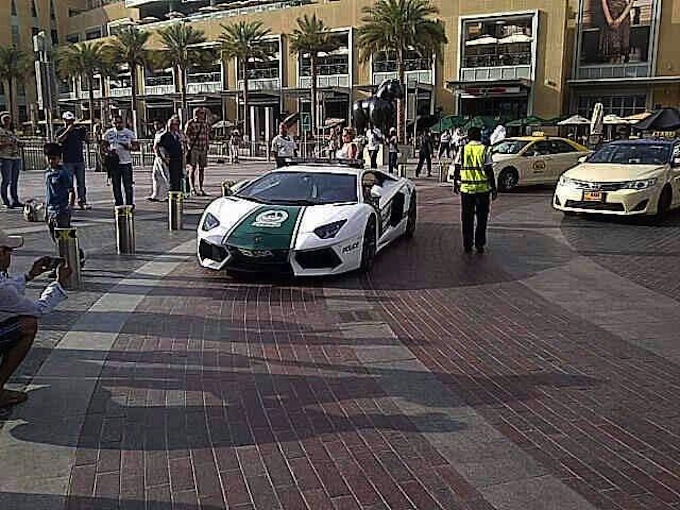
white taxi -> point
(631, 177)
(533, 159)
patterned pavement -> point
(542, 375)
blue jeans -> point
(77, 171)
(10, 179)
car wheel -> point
(412, 217)
(369, 246)
(507, 179)
(664, 205)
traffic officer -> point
(473, 178)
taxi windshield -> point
(632, 154)
(509, 146)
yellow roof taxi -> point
(536, 159)
(624, 178)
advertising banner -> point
(617, 31)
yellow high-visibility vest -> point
(472, 175)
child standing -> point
(58, 186)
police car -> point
(535, 159)
(309, 218)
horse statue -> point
(378, 110)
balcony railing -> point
(421, 76)
(266, 73)
(323, 81)
(496, 73)
(204, 87)
(120, 92)
(261, 84)
(85, 94)
(159, 90)
(508, 59)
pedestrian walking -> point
(235, 144)
(375, 138)
(171, 144)
(197, 132)
(424, 153)
(19, 314)
(444, 144)
(160, 177)
(97, 133)
(117, 142)
(10, 162)
(283, 146)
(474, 179)
(392, 150)
(72, 137)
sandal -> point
(11, 398)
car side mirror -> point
(376, 192)
(583, 159)
(676, 162)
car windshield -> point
(301, 188)
(509, 146)
(632, 154)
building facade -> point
(509, 58)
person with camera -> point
(117, 142)
(19, 314)
(72, 137)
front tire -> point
(664, 205)
(369, 246)
(412, 217)
(508, 179)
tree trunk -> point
(13, 109)
(103, 104)
(133, 92)
(90, 85)
(401, 121)
(181, 73)
(314, 98)
(246, 127)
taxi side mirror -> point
(583, 159)
(676, 162)
(376, 192)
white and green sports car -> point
(308, 220)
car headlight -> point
(209, 222)
(642, 184)
(329, 231)
(568, 182)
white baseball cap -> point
(8, 241)
(68, 116)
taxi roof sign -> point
(538, 134)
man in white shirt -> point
(283, 146)
(118, 142)
(19, 315)
(375, 138)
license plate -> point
(593, 196)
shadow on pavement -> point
(24, 501)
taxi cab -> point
(624, 178)
(536, 159)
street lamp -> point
(43, 74)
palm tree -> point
(82, 60)
(245, 41)
(181, 51)
(15, 64)
(311, 36)
(397, 26)
(129, 47)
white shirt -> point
(283, 146)
(374, 138)
(14, 303)
(445, 137)
(116, 140)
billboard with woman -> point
(616, 31)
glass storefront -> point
(493, 42)
(621, 105)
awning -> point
(496, 88)
(646, 80)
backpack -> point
(34, 211)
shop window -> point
(14, 8)
(495, 42)
(52, 11)
(34, 11)
(16, 36)
(55, 37)
(386, 62)
(23, 113)
(93, 34)
(73, 38)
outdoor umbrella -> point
(574, 120)
(332, 122)
(424, 122)
(666, 119)
(633, 119)
(485, 39)
(515, 39)
(221, 124)
(531, 120)
(291, 119)
(613, 120)
(480, 122)
(449, 122)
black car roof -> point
(646, 141)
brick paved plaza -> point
(541, 375)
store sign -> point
(617, 31)
(491, 91)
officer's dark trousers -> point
(424, 157)
(474, 205)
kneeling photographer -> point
(19, 314)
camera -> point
(55, 262)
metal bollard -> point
(69, 250)
(401, 170)
(125, 229)
(226, 188)
(175, 210)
